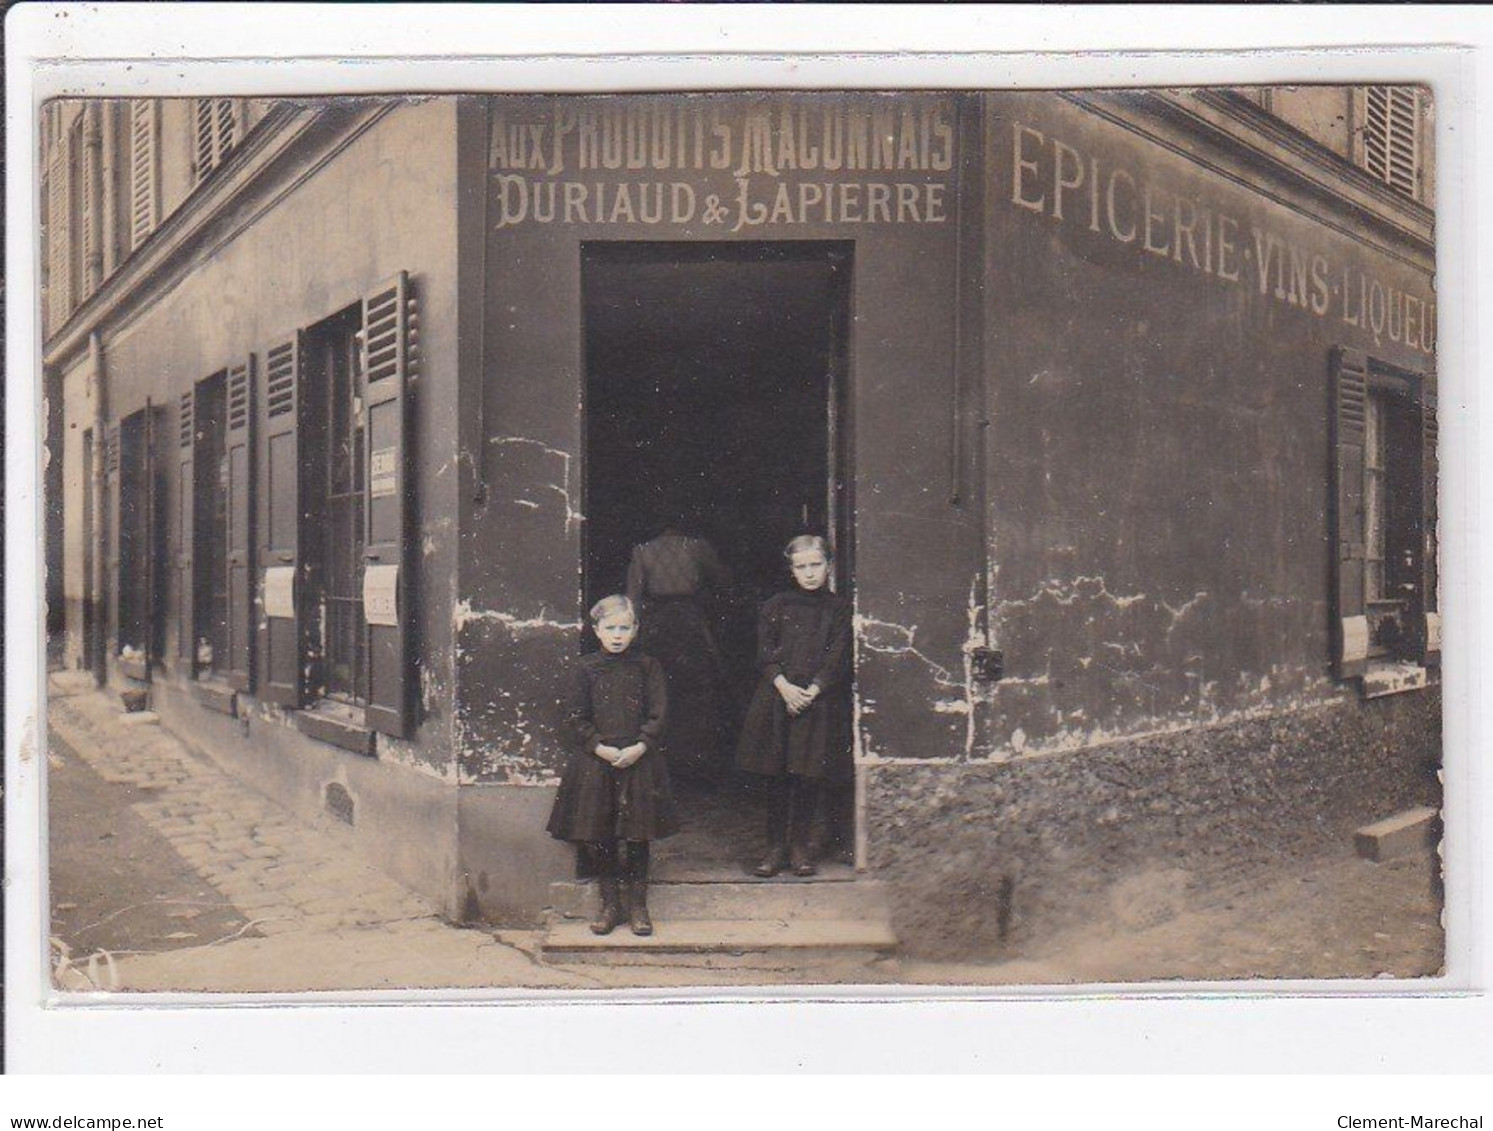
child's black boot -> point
(611, 916)
(637, 888)
(776, 857)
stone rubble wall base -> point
(992, 860)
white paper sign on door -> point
(279, 592)
(381, 595)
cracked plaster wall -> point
(1159, 453)
(518, 623)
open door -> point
(714, 383)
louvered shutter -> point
(204, 133)
(153, 480)
(1350, 620)
(186, 535)
(216, 129)
(144, 170)
(281, 580)
(389, 342)
(112, 518)
(239, 449)
(1430, 556)
(89, 212)
(59, 237)
(1390, 136)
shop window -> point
(334, 520)
(1385, 521)
(145, 169)
(216, 127)
(1390, 138)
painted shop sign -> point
(1057, 180)
(723, 166)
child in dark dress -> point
(797, 729)
(614, 796)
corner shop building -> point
(1119, 410)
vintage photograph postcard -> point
(754, 538)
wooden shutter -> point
(216, 130)
(1388, 143)
(112, 517)
(281, 678)
(144, 170)
(186, 531)
(154, 482)
(90, 189)
(1350, 621)
(59, 236)
(389, 333)
(1430, 554)
(239, 448)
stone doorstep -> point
(863, 900)
(1399, 835)
(755, 940)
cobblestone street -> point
(168, 874)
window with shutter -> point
(185, 534)
(390, 340)
(1431, 553)
(281, 573)
(111, 518)
(59, 238)
(1383, 516)
(215, 133)
(209, 580)
(145, 172)
(238, 447)
(1390, 136)
(141, 545)
(90, 212)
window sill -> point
(1389, 677)
(216, 696)
(338, 725)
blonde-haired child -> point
(614, 796)
(797, 729)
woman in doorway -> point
(672, 579)
(797, 731)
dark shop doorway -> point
(715, 377)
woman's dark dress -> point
(616, 700)
(671, 579)
(804, 636)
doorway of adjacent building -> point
(714, 380)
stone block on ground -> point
(1400, 835)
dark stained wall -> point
(519, 615)
(1159, 460)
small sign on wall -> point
(381, 595)
(383, 474)
(1355, 638)
(279, 592)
